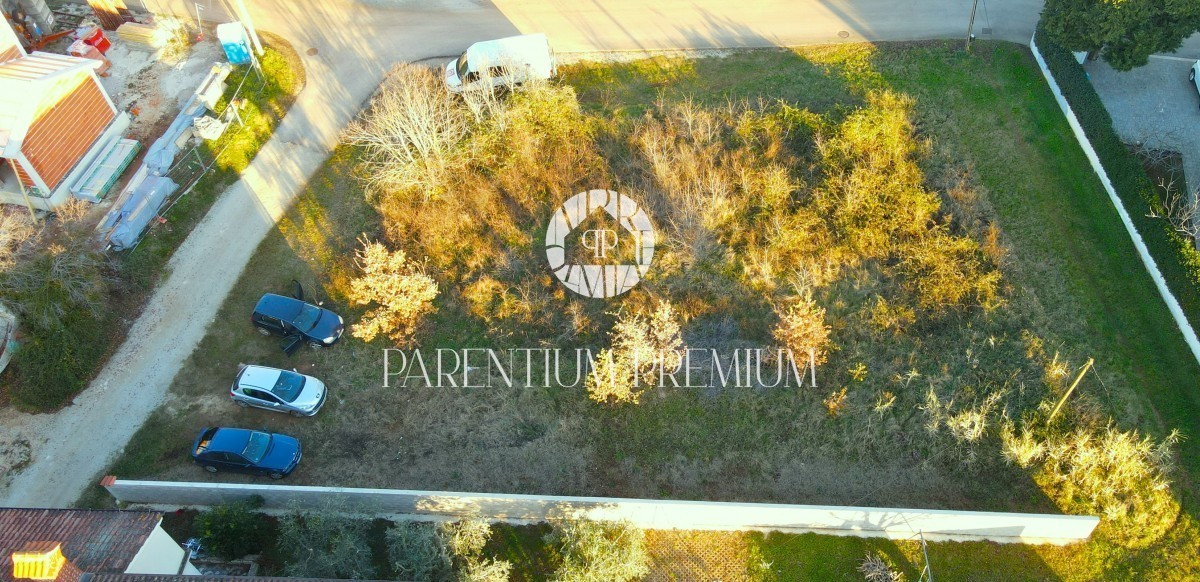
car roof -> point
(260, 377)
(229, 440)
(279, 306)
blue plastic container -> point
(233, 40)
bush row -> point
(1177, 258)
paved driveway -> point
(1154, 105)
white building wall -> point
(159, 555)
(892, 523)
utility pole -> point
(249, 24)
(971, 24)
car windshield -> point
(461, 68)
(288, 386)
(309, 314)
(256, 449)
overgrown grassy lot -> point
(931, 202)
(63, 353)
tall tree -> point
(1126, 32)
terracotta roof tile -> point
(98, 541)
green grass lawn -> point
(988, 119)
(993, 109)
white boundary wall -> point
(1189, 334)
(646, 513)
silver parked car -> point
(278, 390)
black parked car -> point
(279, 315)
(246, 451)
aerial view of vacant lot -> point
(917, 217)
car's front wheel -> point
(210, 468)
(276, 475)
(1192, 75)
(263, 330)
(295, 413)
(316, 345)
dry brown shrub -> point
(875, 567)
(892, 317)
(411, 134)
(944, 271)
(1022, 449)
(802, 329)
(835, 403)
(17, 229)
(640, 345)
(1122, 475)
(399, 286)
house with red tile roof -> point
(83, 544)
(55, 121)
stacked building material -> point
(40, 12)
(105, 170)
(110, 13)
(140, 208)
(144, 36)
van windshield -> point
(461, 68)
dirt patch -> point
(153, 89)
(14, 455)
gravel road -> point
(72, 447)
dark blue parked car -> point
(279, 315)
(246, 451)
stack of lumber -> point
(144, 36)
(110, 13)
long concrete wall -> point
(646, 513)
(1181, 321)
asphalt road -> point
(1155, 105)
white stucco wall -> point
(159, 555)
(1181, 321)
(892, 523)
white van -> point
(496, 63)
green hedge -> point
(1177, 258)
(53, 365)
